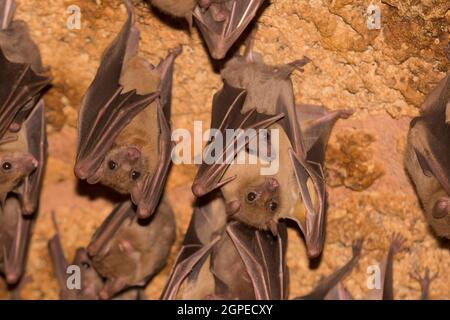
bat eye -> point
(112, 165)
(273, 206)
(251, 196)
(135, 175)
(6, 166)
(85, 265)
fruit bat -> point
(427, 157)
(128, 251)
(91, 283)
(221, 22)
(123, 130)
(22, 77)
(228, 260)
(257, 96)
(332, 288)
(21, 161)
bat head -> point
(122, 169)
(13, 168)
(91, 282)
(258, 204)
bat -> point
(23, 78)
(91, 282)
(258, 96)
(427, 157)
(221, 22)
(25, 157)
(22, 161)
(123, 130)
(228, 260)
(332, 288)
(128, 251)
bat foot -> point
(357, 247)
(442, 208)
(397, 242)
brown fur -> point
(141, 133)
(138, 251)
(176, 8)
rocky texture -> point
(383, 74)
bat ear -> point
(95, 178)
(136, 193)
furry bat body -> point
(91, 282)
(128, 252)
(297, 190)
(22, 77)
(22, 161)
(331, 288)
(123, 130)
(221, 22)
(220, 260)
(427, 157)
(22, 165)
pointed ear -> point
(133, 153)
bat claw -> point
(397, 242)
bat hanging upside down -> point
(123, 129)
(427, 157)
(221, 22)
(228, 260)
(259, 96)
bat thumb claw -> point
(198, 189)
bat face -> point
(14, 167)
(122, 169)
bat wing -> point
(36, 135)
(202, 234)
(109, 227)
(226, 114)
(59, 261)
(264, 258)
(7, 10)
(153, 185)
(221, 33)
(331, 286)
(433, 156)
(305, 170)
(19, 84)
(105, 110)
(15, 256)
(316, 123)
(148, 197)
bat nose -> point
(272, 184)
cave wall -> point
(382, 74)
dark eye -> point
(251, 196)
(85, 265)
(135, 175)
(112, 165)
(7, 166)
(273, 206)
